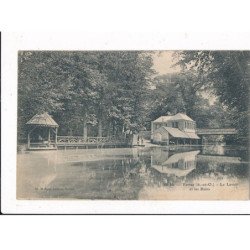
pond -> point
(150, 173)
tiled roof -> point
(178, 116)
(177, 133)
(181, 116)
(192, 135)
(42, 120)
(163, 119)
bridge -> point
(216, 131)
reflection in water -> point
(134, 173)
(174, 169)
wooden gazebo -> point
(43, 125)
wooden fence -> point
(95, 141)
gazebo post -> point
(49, 136)
(28, 140)
(29, 133)
(56, 137)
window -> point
(175, 124)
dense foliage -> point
(112, 92)
(184, 92)
(227, 74)
(88, 93)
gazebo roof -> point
(43, 120)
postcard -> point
(128, 128)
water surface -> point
(152, 173)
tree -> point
(226, 73)
(59, 83)
(184, 92)
(83, 90)
(129, 75)
(42, 86)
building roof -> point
(192, 135)
(173, 171)
(43, 120)
(177, 133)
(178, 116)
(185, 156)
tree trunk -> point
(100, 128)
(113, 128)
(109, 127)
(70, 132)
(85, 129)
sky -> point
(163, 61)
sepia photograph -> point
(123, 123)
(133, 125)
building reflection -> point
(169, 170)
(192, 166)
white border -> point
(12, 42)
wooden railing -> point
(216, 131)
(42, 145)
(80, 140)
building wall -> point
(187, 126)
(156, 125)
(165, 136)
(181, 125)
(160, 135)
(157, 137)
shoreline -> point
(23, 147)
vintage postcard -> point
(132, 125)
